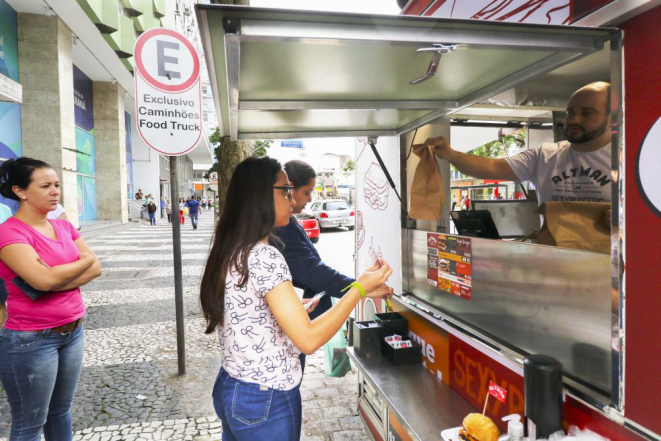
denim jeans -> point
(250, 412)
(39, 371)
(194, 219)
(152, 218)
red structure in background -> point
(642, 73)
(642, 107)
(524, 11)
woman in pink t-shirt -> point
(43, 264)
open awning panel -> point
(291, 74)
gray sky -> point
(358, 6)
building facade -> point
(67, 97)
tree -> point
(260, 147)
(499, 147)
(349, 167)
(228, 155)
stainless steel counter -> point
(424, 403)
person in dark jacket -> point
(308, 271)
(151, 210)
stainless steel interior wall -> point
(534, 298)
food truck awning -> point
(292, 74)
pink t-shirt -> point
(55, 308)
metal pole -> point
(178, 282)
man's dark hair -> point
(18, 172)
(299, 172)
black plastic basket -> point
(397, 357)
(367, 341)
(393, 323)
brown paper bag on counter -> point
(577, 225)
(427, 192)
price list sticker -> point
(449, 260)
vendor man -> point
(574, 170)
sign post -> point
(168, 117)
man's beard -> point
(585, 136)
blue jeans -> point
(39, 371)
(193, 219)
(152, 218)
(249, 412)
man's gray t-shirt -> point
(561, 173)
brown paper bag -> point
(577, 225)
(427, 192)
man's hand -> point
(440, 147)
(606, 218)
(382, 291)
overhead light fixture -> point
(48, 11)
(75, 40)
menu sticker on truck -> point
(449, 264)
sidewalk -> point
(129, 388)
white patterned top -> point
(254, 347)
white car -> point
(334, 213)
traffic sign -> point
(168, 93)
(213, 177)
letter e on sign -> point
(168, 93)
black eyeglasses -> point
(288, 188)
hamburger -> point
(477, 427)
(444, 265)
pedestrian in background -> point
(194, 211)
(182, 210)
(209, 203)
(43, 264)
(5, 213)
(151, 211)
(247, 297)
(162, 207)
(168, 210)
(58, 213)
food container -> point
(367, 338)
(393, 323)
(410, 355)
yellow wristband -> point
(359, 287)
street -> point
(129, 388)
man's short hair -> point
(600, 86)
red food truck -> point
(451, 67)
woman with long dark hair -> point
(307, 270)
(248, 298)
(43, 264)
